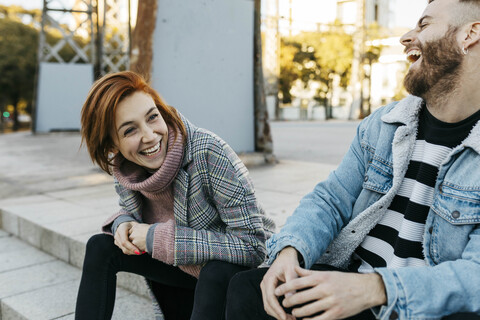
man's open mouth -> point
(414, 55)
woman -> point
(188, 220)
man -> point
(398, 222)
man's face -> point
(433, 50)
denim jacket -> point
(332, 220)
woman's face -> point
(141, 134)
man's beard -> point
(441, 61)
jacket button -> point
(393, 315)
(455, 214)
(430, 230)
(365, 179)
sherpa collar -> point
(406, 112)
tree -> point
(289, 69)
(371, 55)
(316, 57)
(18, 56)
(142, 38)
(263, 135)
(18, 63)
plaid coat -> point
(217, 216)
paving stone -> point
(79, 226)
(38, 198)
(133, 283)
(9, 222)
(48, 302)
(11, 243)
(76, 249)
(51, 211)
(133, 307)
(15, 255)
(58, 302)
(27, 279)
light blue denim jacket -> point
(332, 221)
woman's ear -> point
(113, 149)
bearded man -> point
(394, 232)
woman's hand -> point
(121, 238)
(281, 271)
(337, 294)
(138, 236)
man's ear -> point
(472, 36)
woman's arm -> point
(227, 188)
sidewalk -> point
(52, 198)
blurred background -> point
(244, 62)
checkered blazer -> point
(217, 216)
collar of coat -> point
(190, 128)
(406, 112)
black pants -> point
(244, 298)
(180, 295)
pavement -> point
(52, 199)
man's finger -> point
(290, 275)
(270, 301)
(303, 272)
(303, 297)
(293, 286)
(312, 309)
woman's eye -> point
(153, 117)
(128, 131)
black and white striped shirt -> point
(396, 241)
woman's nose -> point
(148, 134)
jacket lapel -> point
(180, 189)
(405, 112)
(182, 181)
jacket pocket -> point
(378, 177)
(457, 204)
(457, 215)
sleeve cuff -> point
(276, 244)
(163, 244)
(151, 237)
(119, 220)
(394, 291)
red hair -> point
(98, 113)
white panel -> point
(203, 65)
(62, 89)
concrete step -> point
(49, 230)
(36, 285)
(61, 222)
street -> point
(312, 141)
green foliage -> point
(372, 52)
(18, 60)
(315, 56)
(18, 56)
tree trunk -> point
(142, 39)
(328, 100)
(356, 80)
(263, 136)
(2, 109)
(16, 123)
